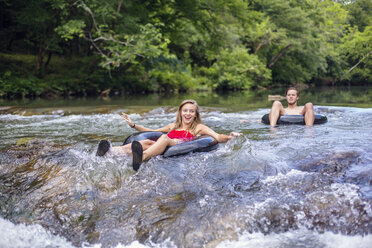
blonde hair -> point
(197, 120)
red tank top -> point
(180, 134)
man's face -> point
(292, 97)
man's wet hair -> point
(292, 88)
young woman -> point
(188, 125)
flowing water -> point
(290, 186)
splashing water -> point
(290, 186)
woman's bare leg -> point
(126, 149)
(158, 148)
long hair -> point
(197, 120)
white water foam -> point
(298, 238)
(21, 235)
(35, 236)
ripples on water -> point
(291, 186)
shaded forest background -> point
(90, 47)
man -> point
(292, 96)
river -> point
(289, 186)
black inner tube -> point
(294, 119)
(198, 144)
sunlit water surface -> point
(290, 186)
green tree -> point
(197, 44)
(115, 45)
(331, 19)
(355, 45)
(291, 44)
(37, 20)
(209, 36)
(357, 49)
(360, 13)
(236, 69)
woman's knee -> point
(147, 142)
(164, 138)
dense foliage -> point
(83, 47)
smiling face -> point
(292, 97)
(188, 113)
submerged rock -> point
(27, 149)
(333, 164)
(5, 109)
(43, 185)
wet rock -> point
(5, 109)
(275, 97)
(332, 164)
(36, 187)
(24, 142)
(27, 149)
(158, 111)
(59, 112)
(328, 110)
(47, 189)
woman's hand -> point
(235, 134)
(127, 119)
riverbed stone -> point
(334, 163)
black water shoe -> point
(137, 152)
(103, 147)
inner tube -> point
(153, 135)
(294, 119)
(203, 143)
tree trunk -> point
(258, 47)
(119, 7)
(120, 2)
(360, 61)
(279, 55)
(263, 41)
(48, 60)
(39, 62)
(9, 45)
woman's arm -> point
(221, 138)
(164, 129)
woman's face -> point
(188, 113)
